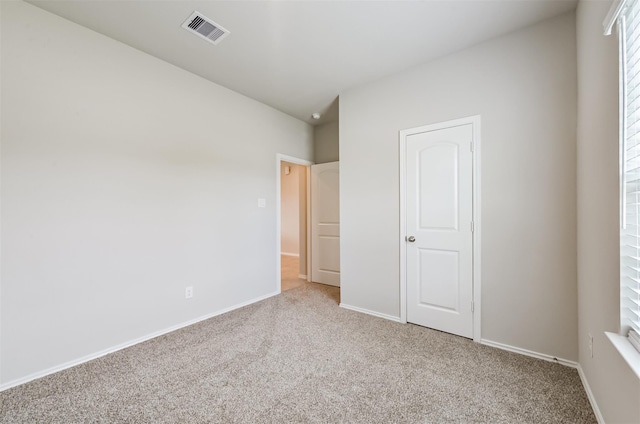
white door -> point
(439, 255)
(325, 223)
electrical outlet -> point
(590, 345)
(188, 292)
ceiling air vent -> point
(205, 28)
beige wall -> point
(524, 87)
(124, 180)
(326, 143)
(615, 387)
(302, 219)
(290, 211)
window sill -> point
(627, 351)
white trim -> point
(402, 153)
(622, 125)
(477, 230)
(626, 322)
(373, 313)
(302, 276)
(531, 353)
(284, 158)
(590, 396)
(125, 345)
(294, 255)
(612, 16)
(308, 258)
(626, 350)
(475, 121)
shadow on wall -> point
(326, 136)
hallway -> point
(290, 272)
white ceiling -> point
(298, 56)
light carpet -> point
(299, 358)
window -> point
(627, 16)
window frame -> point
(617, 17)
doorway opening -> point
(294, 217)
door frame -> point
(476, 236)
(279, 159)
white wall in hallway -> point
(326, 144)
(290, 212)
(302, 218)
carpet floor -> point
(299, 358)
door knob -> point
(411, 239)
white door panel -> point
(439, 201)
(440, 269)
(325, 223)
(437, 188)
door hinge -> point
(472, 306)
(472, 226)
(471, 146)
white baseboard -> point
(125, 345)
(368, 312)
(304, 277)
(296, 255)
(592, 399)
(531, 353)
(566, 362)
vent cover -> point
(205, 28)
